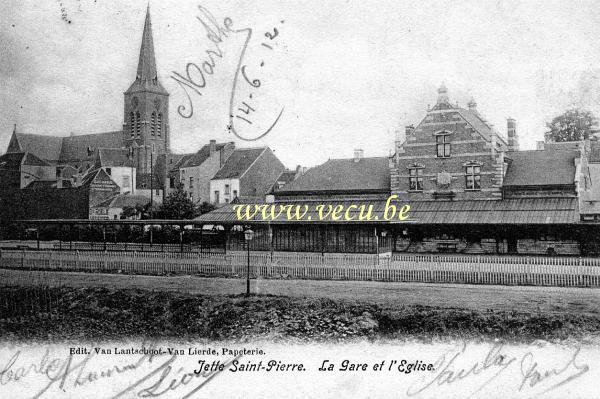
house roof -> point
(562, 146)
(123, 200)
(113, 157)
(509, 211)
(344, 175)
(540, 168)
(42, 184)
(91, 176)
(202, 155)
(239, 162)
(287, 176)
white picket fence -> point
(470, 269)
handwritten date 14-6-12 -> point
(243, 109)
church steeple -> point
(146, 116)
(146, 77)
(147, 62)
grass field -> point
(556, 300)
(98, 306)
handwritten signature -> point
(195, 74)
(67, 373)
(495, 363)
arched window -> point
(138, 123)
(132, 124)
(159, 129)
(153, 124)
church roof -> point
(43, 146)
(113, 157)
(76, 147)
(147, 78)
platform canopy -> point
(522, 211)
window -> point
(227, 200)
(159, 127)
(473, 177)
(108, 171)
(442, 145)
(153, 124)
(171, 182)
(217, 196)
(125, 181)
(138, 124)
(191, 182)
(234, 193)
(132, 124)
(157, 191)
(415, 179)
(227, 189)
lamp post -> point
(248, 235)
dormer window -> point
(442, 144)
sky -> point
(343, 74)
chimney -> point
(513, 139)
(539, 145)
(358, 154)
(213, 146)
(298, 170)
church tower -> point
(146, 111)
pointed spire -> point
(147, 62)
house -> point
(248, 175)
(119, 165)
(197, 170)
(112, 208)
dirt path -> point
(477, 297)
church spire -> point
(146, 78)
(147, 62)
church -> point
(139, 152)
(40, 174)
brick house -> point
(197, 170)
